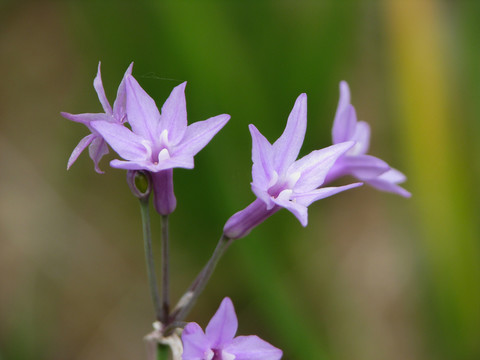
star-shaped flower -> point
(355, 161)
(97, 146)
(218, 342)
(158, 142)
(281, 181)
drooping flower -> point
(281, 181)
(158, 142)
(355, 161)
(95, 142)
(218, 342)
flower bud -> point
(139, 183)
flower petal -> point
(361, 137)
(142, 113)
(313, 168)
(223, 325)
(199, 134)
(310, 197)
(345, 117)
(288, 145)
(284, 199)
(97, 149)
(195, 342)
(364, 167)
(87, 140)
(174, 114)
(262, 157)
(120, 104)
(127, 144)
(98, 85)
(252, 348)
(388, 182)
(86, 118)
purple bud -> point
(164, 197)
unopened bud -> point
(139, 183)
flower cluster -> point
(156, 143)
(152, 142)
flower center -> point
(279, 184)
(221, 355)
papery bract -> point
(95, 142)
(158, 142)
(281, 181)
(218, 342)
(355, 161)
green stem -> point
(163, 352)
(187, 301)
(147, 241)
(165, 269)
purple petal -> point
(178, 162)
(128, 145)
(142, 112)
(223, 325)
(120, 104)
(199, 134)
(300, 211)
(310, 197)
(131, 165)
(362, 138)
(86, 118)
(97, 149)
(252, 348)
(344, 127)
(364, 167)
(174, 114)
(195, 344)
(313, 168)
(241, 223)
(287, 147)
(345, 118)
(98, 85)
(79, 148)
(388, 182)
(262, 168)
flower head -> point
(158, 142)
(355, 161)
(117, 114)
(281, 181)
(218, 342)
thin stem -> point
(165, 269)
(147, 241)
(187, 301)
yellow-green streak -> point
(437, 172)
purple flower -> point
(97, 146)
(158, 142)
(281, 181)
(218, 342)
(355, 162)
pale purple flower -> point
(95, 142)
(281, 181)
(355, 161)
(218, 342)
(158, 142)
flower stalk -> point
(147, 241)
(187, 301)
(165, 270)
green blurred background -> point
(373, 276)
